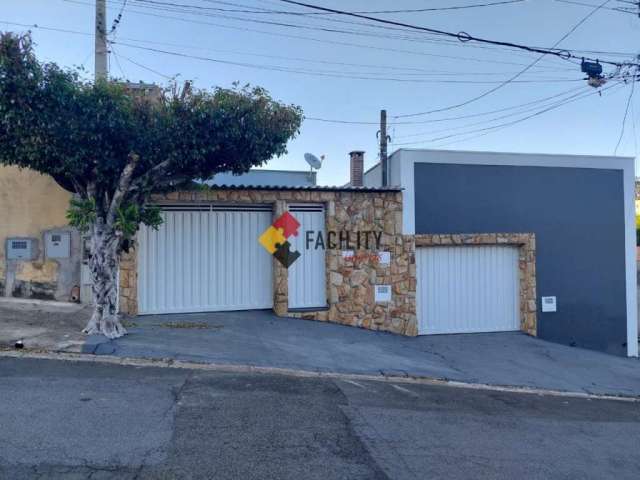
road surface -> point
(68, 420)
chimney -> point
(357, 168)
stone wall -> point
(527, 265)
(350, 281)
(128, 286)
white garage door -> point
(467, 289)
(307, 280)
(205, 259)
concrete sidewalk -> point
(262, 339)
(43, 325)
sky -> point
(341, 68)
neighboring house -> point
(263, 177)
(39, 253)
(49, 261)
(578, 212)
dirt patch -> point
(43, 325)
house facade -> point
(579, 213)
(460, 242)
(352, 264)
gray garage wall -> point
(577, 215)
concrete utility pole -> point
(383, 146)
(101, 52)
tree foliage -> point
(84, 134)
(113, 148)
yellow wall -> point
(29, 204)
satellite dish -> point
(313, 161)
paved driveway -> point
(259, 338)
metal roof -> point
(311, 188)
(265, 177)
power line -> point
(315, 39)
(162, 6)
(334, 74)
(502, 117)
(457, 141)
(53, 29)
(188, 9)
(624, 118)
(461, 36)
(508, 81)
(536, 102)
(633, 124)
(115, 56)
(444, 119)
(285, 12)
(165, 6)
(583, 4)
(422, 71)
(493, 128)
(144, 67)
(370, 76)
(441, 9)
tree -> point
(113, 148)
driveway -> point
(259, 338)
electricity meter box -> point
(57, 244)
(21, 248)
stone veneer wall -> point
(350, 283)
(527, 264)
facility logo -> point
(274, 239)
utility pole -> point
(382, 135)
(101, 52)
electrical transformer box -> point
(57, 244)
(20, 248)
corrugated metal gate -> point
(467, 289)
(205, 258)
(307, 281)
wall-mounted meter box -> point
(21, 249)
(57, 244)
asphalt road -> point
(97, 421)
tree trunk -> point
(104, 271)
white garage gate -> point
(307, 277)
(205, 258)
(467, 289)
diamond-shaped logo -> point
(274, 239)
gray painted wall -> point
(577, 215)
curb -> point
(229, 368)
